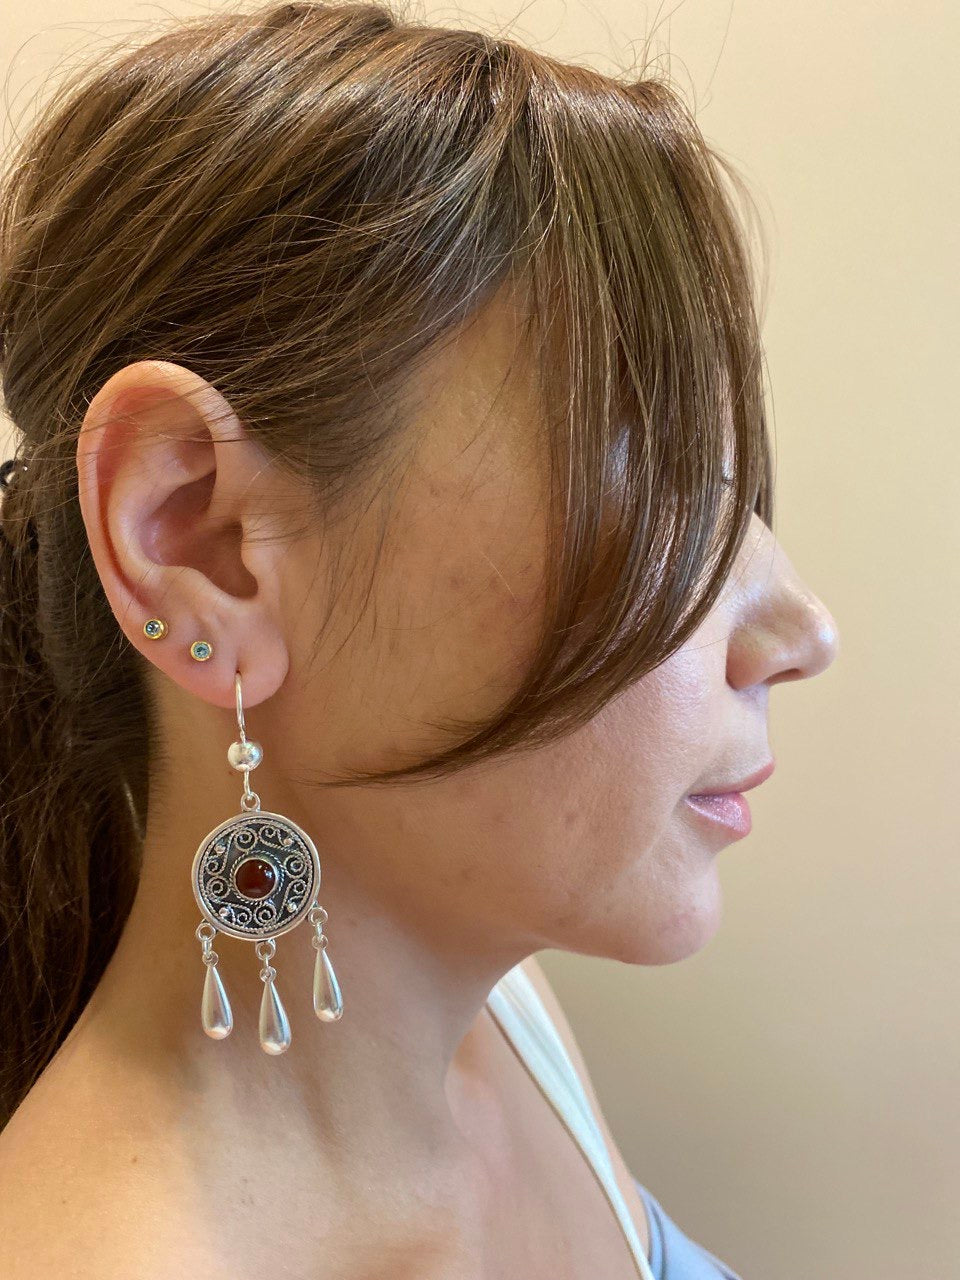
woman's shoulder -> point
(77, 1199)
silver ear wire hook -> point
(238, 692)
(244, 754)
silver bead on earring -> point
(256, 876)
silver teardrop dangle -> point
(327, 1000)
(216, 1016)
(274, 1025)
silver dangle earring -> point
(257, 876)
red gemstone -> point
(255, 878)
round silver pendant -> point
(256, 875)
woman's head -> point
(420, 373)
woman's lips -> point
(729, 809)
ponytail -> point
(68, 834)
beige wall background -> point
(791, 1092)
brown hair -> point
(347, 186)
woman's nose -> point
(810, 641)
(789, 634)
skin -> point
(405, 1139)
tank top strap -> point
(528, 1027)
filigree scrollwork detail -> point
(278, 882)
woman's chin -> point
(679, 928)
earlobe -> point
(170, 488)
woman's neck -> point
(376, 1101)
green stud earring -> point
(155, 628)
(201, 650)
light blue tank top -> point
(673, 1255)
(522, 1017)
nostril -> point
(791, 673)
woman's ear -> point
(180, 515)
